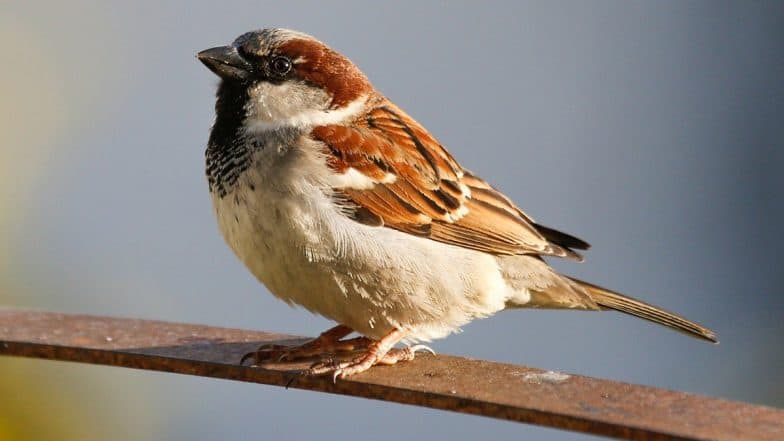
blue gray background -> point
(652, 130)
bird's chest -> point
(272, 219)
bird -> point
(341, 203)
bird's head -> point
(282, 78)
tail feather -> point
(612, 300)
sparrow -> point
(340, 202)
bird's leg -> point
(329, 342)
(377, 352)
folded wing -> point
(392, 172)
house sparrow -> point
(340, 202)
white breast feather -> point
(295, 240)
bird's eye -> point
(280, 66)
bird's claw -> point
(360, 364)
(268, 352)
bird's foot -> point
(373, 356)
(329, 342)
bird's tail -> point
(612, 300)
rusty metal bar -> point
(478, 387)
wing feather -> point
(409, 182)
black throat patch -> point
(228, 154)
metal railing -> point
(496, 390)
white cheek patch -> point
(294, 105)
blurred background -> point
(652, 130)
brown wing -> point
(399, 176)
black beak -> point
(226, 62)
